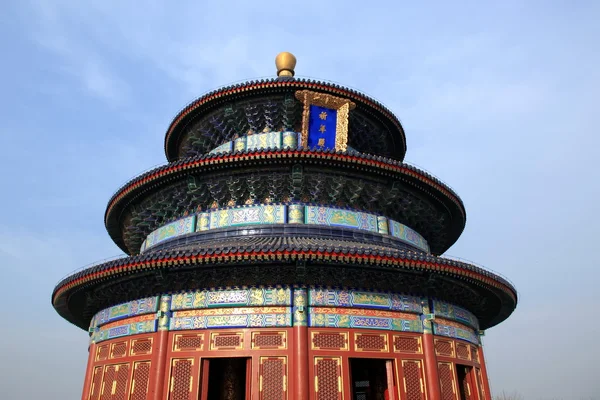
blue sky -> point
(498, 99)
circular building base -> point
(285, 343)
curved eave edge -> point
(154, 261)
(210, 161)
(275, 83)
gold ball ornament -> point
(285, 62)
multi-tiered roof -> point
(240, 151)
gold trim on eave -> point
(341, 105)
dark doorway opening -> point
(372, 379)
(464, 376)
(225, 379)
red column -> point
(431, 368)
(300, 380)
(159, 358)
(89, 371)
(484, 375)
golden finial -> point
(285, 62)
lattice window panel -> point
(227, 341)
(122, 379)
(96, 383)
(114, 384)
(475, 354)
(102, 353)
(408, 344)
(447, 381)
(444, 348)
(462, 351)
(188, 342)
(273, 378)
(370, 342)
(328, 378)
(139, 383)
(413, 384)
(110, 372)
(269, 340)
(181, 379)
(329, 340)
(141, 346)
(480, 385)
(118, 350)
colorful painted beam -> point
(284, 214)
(272, 307)
(147, 305)
(259, 141)
(455, 313)
(444, 327)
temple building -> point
(285, 251)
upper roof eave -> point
(273, 85)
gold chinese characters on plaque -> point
(328, 129)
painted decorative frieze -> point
(295, 214)
(259, 141)
(131, 326)
(454, 330)
(231, 298)
(317, 215)
(237, 317)
(125, 310)
(284, 214)
(289, 140)
(254, 215)
(352, 298)
(455, 313)
(239, 144)
(203, 222)
(382, 225)
(263, 141)
(331, 317)
(407, 234)
(300, 307)
(224, 148)
(176, 228)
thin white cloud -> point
(78, 57)
(500, 103)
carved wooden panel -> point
(188, 342)
(141, 346)
(110, 373)
(413, 384)
(121, 381)
(114, 383)
(328, 378)
(96, 383)
(140, 379)
(407, 344)
(474, 354)
(447, 381)
(102, 352)
(227, 341)
(480, 385)
(329, 340)
(444, 347)
(118, 350)
(462, 351)
(370, 342)
(269, 340)
(273, 378)
(181, 379)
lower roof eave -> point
(71, 297)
